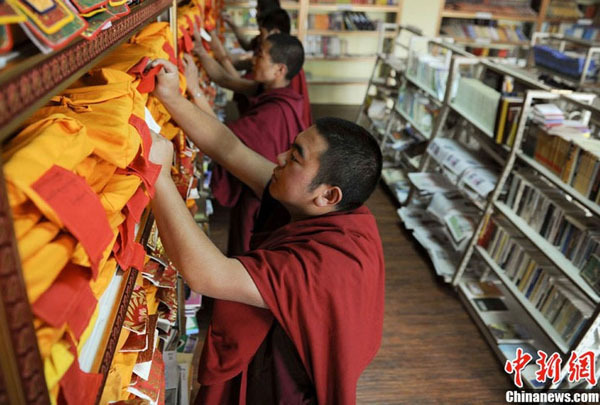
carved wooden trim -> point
(41, 79)
(115, 332)
(113, 339)
(20, 361)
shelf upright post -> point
(510, 161)
(439, 123)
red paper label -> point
(78, 208)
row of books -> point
(373, 2)
(346, 20)
(570, 154)
(485, 33)
(430, 72)
(551, 294)
(563, 9)
(506, 7)
(575, 30)
(549, 213)
(418, 107)
(327, 46)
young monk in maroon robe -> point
(268, 127)
(311, 289)
(274, 22)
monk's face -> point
(297, 167)
(265, 70)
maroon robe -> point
(269, 127)
(322, 279)
(298, 84)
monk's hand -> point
(161, 153)
(198, 46)
(228, 20)
(167, 81)
(190, 70)
(217, 47)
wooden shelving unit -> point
(27, 84)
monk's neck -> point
(275, 85)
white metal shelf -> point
(535, 314)
(433, 96)
(412, 123)
(515, 312)
(586, 202)
(549, 250)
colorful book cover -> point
(96, 23)
(509, 331)
(49, 22)
(137, 312)
(49, 42)
(85, 6)
(490, 304)
(591, 272)
(10, 14)
(6, 41)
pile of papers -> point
(548, 115)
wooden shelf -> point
(448, 13)
(354, 7)
(537, 316)
(349, 32)
(288, 5)
(490, 43)
(346, 58)
(29, 84)
(586, 202)
(334, 82)
(549, 250)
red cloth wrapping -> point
(323, 281)
(269, 128)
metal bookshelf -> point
(508, 157)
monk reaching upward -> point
(311, 289)
(268, 127)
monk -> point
(310, 292)
(268, 127)
(224, 73)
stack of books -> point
(569, 154)
(418, 107)
(485, 33)
(566, 9)
(548, 115)
(326, 46)
(548, 212)
(539, 282)
(430, 72)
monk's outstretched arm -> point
(210, 135)
(198, 260)
(219, 75)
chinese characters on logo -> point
(581, 367)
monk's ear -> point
(282, 69)
(329, 197)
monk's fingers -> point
(168, 67)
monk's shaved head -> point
(351, 162)
(288, 50)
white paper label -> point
(205, 35)
(584, 21)
(481, 14)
